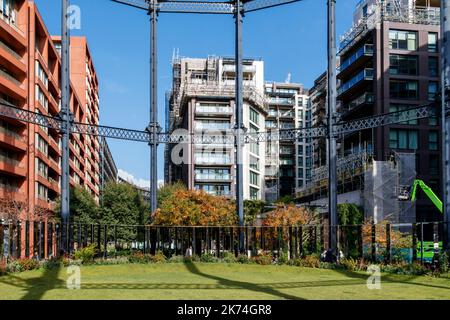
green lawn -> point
(216, 281)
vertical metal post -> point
(65, 113)
(332, 161)
(239, 114)
(445, 120)
(153, 128)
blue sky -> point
(290, 39)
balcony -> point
(212, 177)
(355, 61)
(212, 160)
(231, 68)
(349, 86)
(214, 110)
(363, 100)
(281, 101)
(12, 85)
(12, 138)
(12, 166)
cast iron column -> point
(239, 114)
(65, 113)
(332, 165)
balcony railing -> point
(214, 110)
(366, 74)
(365, 50)
(10, 78)
(212, 177)
(363, 99)
(212, 160)
(282, 101)
(12, 133)
(10, 161)
(9, 50)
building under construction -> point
(389, 61)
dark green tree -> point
(288, 199)
(349, 217)
(123, 205)
(83, 207)
(252, 208)
(167, 190)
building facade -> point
(288, 163)
(30, 155)
(108, 168)
(389, 61)
(203, 101)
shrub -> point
(263, 259)
(208, 258)
(444, 263)
(350, 264)
(311, 261)
(283, 258)
(86, 254)
(159, 257)
(176, 259)
(138, 257)
(229, 257)
(3, 267)
(112, 261)
(244, 259)
(28, 264)
(51, 264)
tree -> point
(253, 208)
(290, 216)
(167, 190)
(11, 209)
(195, 208)
(83, 207)
(123, 204)
(349, 216)
(288, 199)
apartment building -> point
(203, 101)
(108, 168)
(389, 61)
(318, 105)
(30, 155)
(288, 163)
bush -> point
(350, 264)
(283, 258)
(112, 261)
(51, 264)
(263, 259)
(138, 257)
(229, 257)
(28, 264)
(86, 254)
(244, 259)
(176, 259)
(444, 263)
(159, 257)
(311, 261)
(208, 258)
(3, 267)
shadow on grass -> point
(36, 287)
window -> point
(402, 107)
(300, 150)
(42, 191)
(41, 144)
(254, 193)
(433, 66)
(432, 90)
(402, 40)
(308, 174)
(403, 65)
(254, 163)
(433, 42)
(254, 116)
(301, 173)
(434, 165)
(433, 140)
(404, 89)
(41, 168)
(40, 96)
(254, 148)
(403, 139)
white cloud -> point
(141, 183)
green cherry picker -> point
(429, 247)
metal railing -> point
(384, 242)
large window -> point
(254, 178)
(403, 139)
(402, 107)
(433, 42)
(403, 65)
(402, 40)
(254, 193)
(433, 140)
(434, 165)
(254, 116)
(433, 87)
(433, 66)
(404, 89)
(214, 189)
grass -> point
(216, 281)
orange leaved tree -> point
(195, 208)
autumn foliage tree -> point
(398, 238)
(289, 215)
(195, 208)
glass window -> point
(434, 165)
(403, 65)
(432, 90)
(254, 178)
(433, 66)
(404, 89)
(254, 116)
(403, 40)
(254, 193)
(402, 107)
(433, 141)
(403, 139)
(433, 42)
